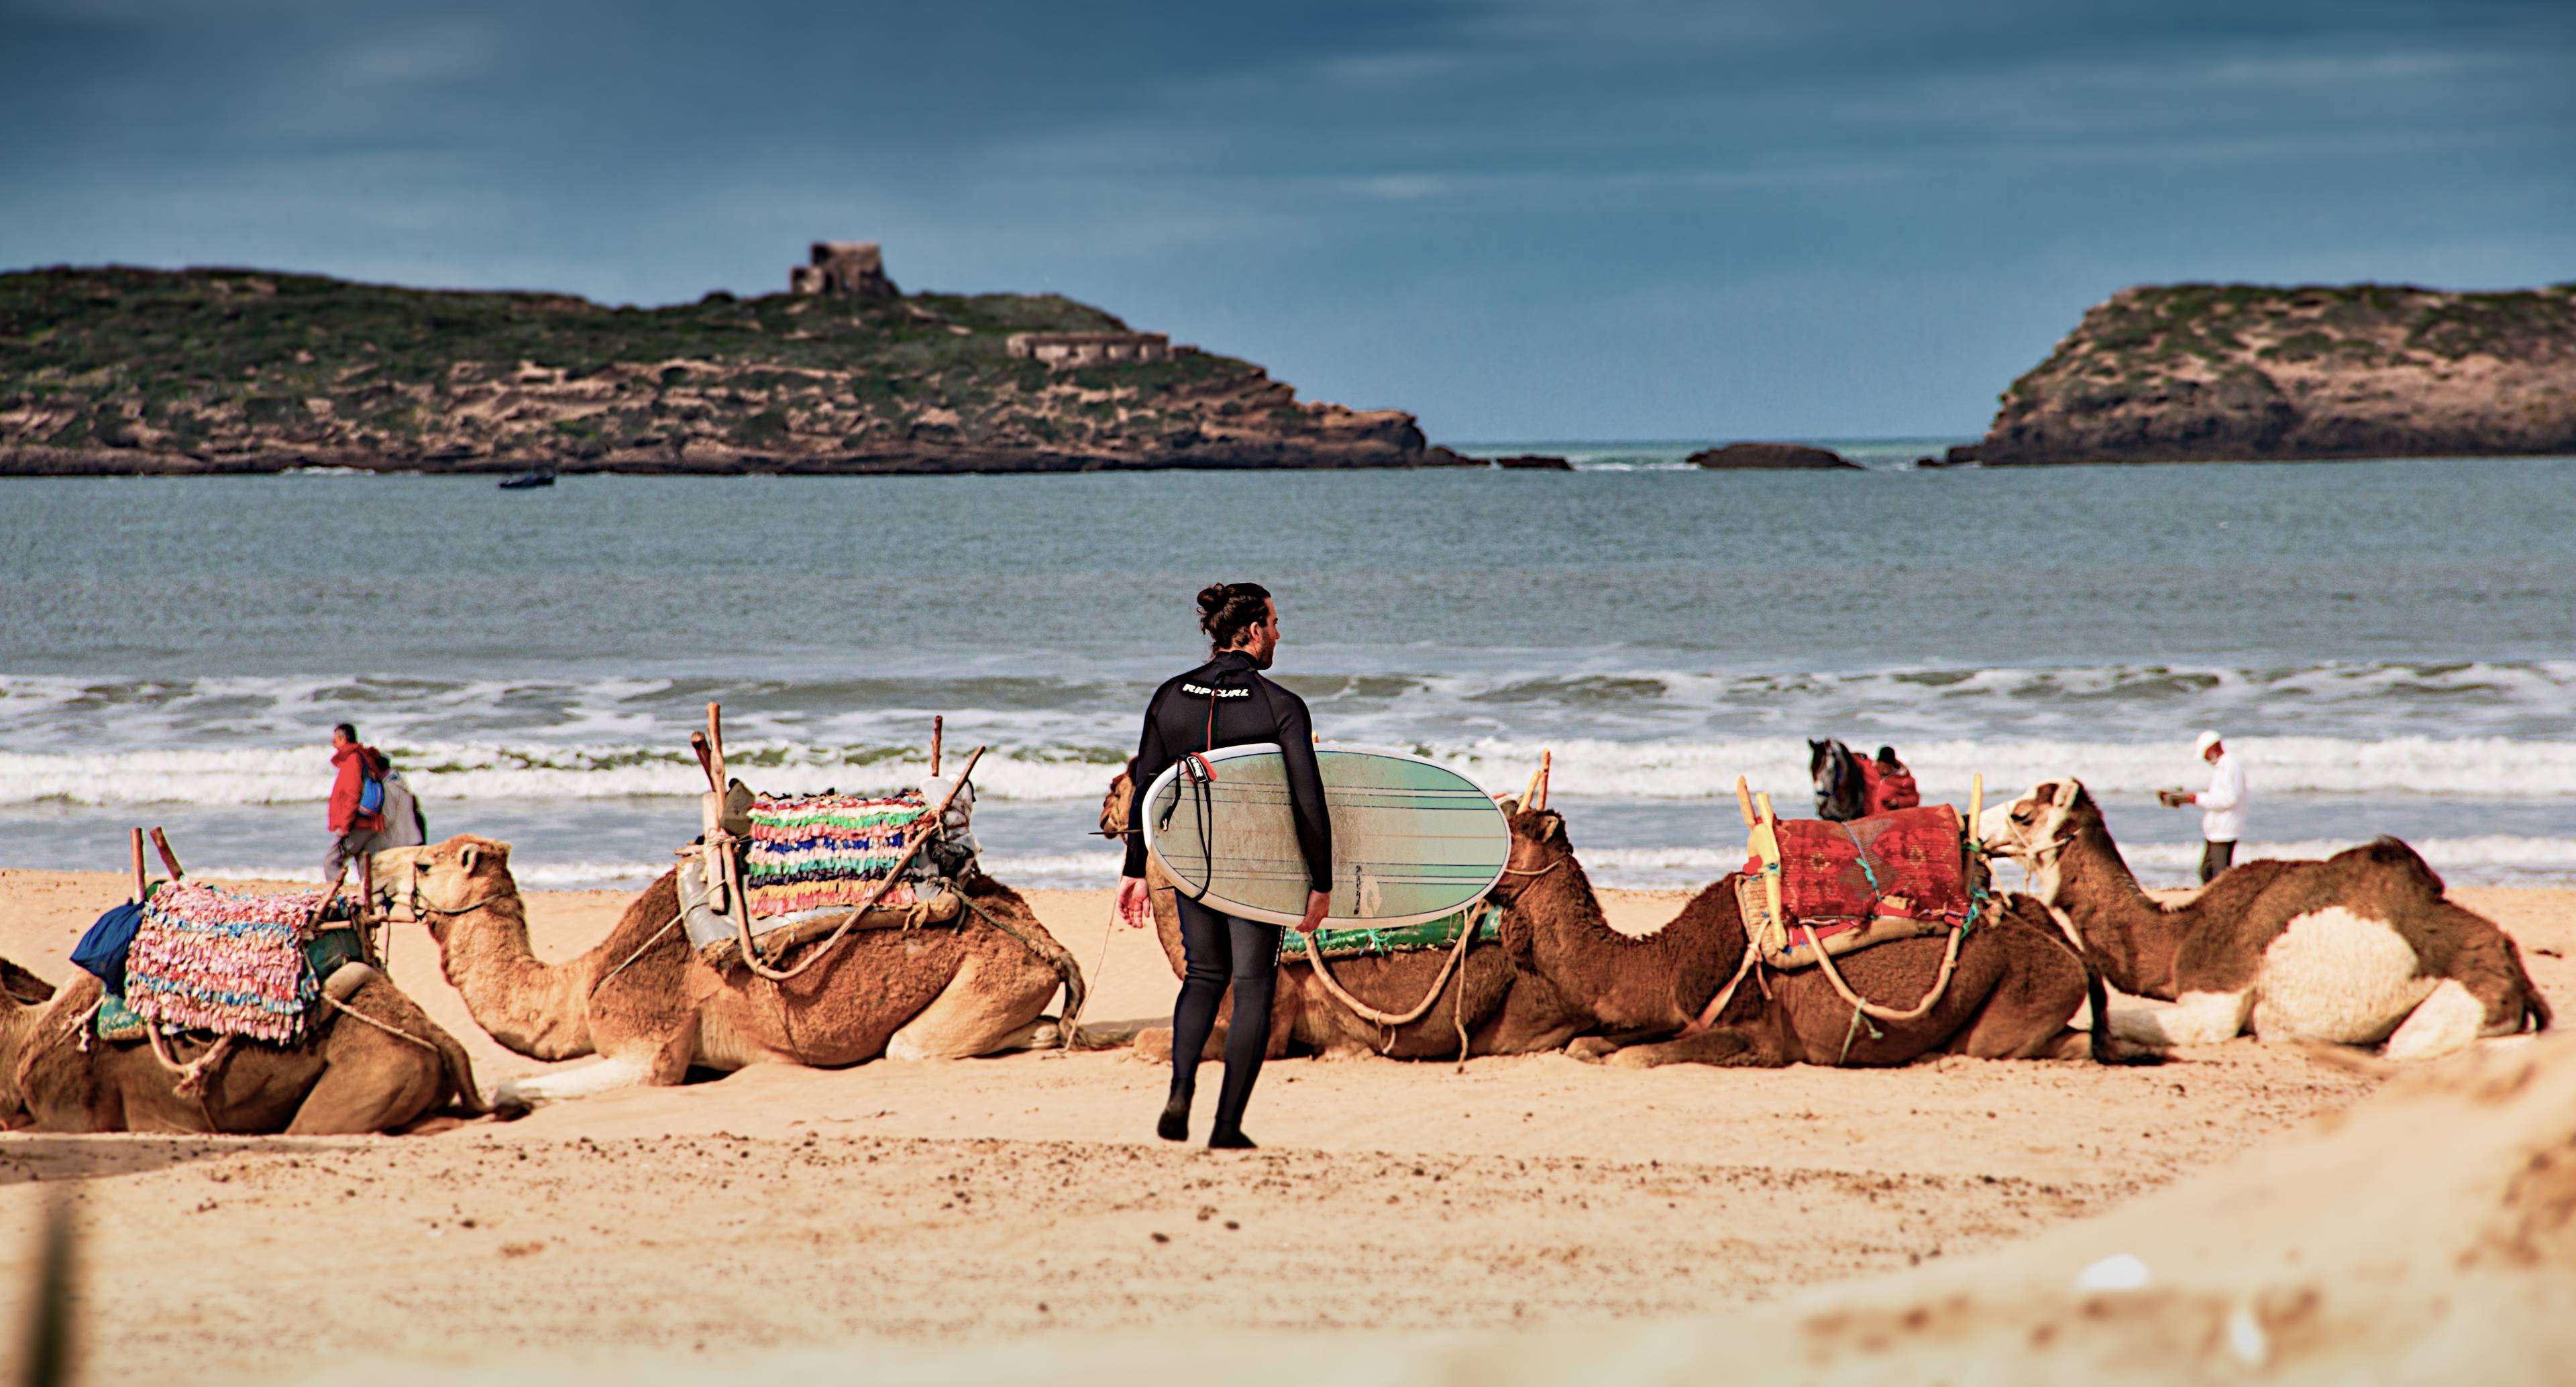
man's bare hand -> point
(1316, 904)
(1135, 902)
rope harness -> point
(1469, 923)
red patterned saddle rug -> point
(1901, 875)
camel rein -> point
(1466, 934)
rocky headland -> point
(2235, 372)
(122, 371)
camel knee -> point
(581, 1081)
(2446, 1021)
(2199, 1018)
(1153, 1044)
(1591, 1049)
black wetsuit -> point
(1227, 702)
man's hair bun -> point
(1227, 610)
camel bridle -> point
(421, 907)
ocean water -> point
(2391, 644)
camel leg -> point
(581, 1081)
(2199, 1018)
(2030, 1016)
(965, 1020)
(2447, 1021)
(1725, 1046)
(376, 1094)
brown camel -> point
(2355, 950)
(2016, 986)
(345, 1076)
(644, 1002)
(1503, 1009)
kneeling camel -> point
(647, 1005)
(2014, 990)
(2357, 949)
(378, 1074)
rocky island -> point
(1770, 457)
(120, 371)
(2230, 372)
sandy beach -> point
(959, 1201)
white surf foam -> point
(2488, 768)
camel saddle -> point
(326, 953)
(1363, 942)
(804, 863)
(1900, 875)
(232, 963)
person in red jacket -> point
(357, 831)
(1891, 785)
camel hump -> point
(2395, 854)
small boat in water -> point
(525, 480)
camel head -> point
(1539, 841)
(2047, 815)
(440, 881)
(1113, 806)
(21, 993)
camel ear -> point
(2067, 790)
(467, 856)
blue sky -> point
(1519, 220)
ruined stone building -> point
(843, 267)
(1068, 349)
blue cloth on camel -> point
(102, 951)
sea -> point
(2390, 645)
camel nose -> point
(384, 864)
(1994, 828)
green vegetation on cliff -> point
(204, 366)
(2209, 371)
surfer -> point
(1227, 702)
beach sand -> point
(969, 1201)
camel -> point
(2357, 949)
(1501, 1008)
(2016, 987)
(345, 1076)
(650, 1009)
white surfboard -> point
(1412, 840)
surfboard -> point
(1412, 840)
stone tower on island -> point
(843, 267)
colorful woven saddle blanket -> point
(1362, 943)
(1901, 875)
(324, 954)
(230, 962)
(813, 853)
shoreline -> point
(922, 462)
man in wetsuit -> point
(1227, 702)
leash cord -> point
(630, 958)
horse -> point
(1842, 795)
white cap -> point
(2201, 746)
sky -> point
(1664, 219)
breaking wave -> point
(2487, 768)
